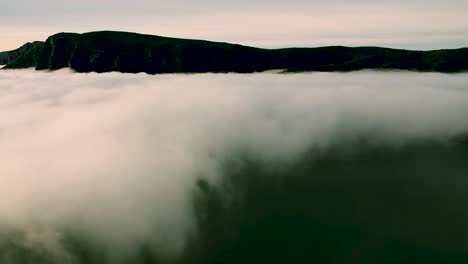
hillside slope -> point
(22, 57)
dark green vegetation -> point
(373, 205)
(351, 204)
(130, 52)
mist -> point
(113, 164)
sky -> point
(411, 24)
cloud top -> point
(116, 156)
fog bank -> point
(117, 158)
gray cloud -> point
(142, 7)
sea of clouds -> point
(116, 156)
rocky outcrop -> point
(107, 51)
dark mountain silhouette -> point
(22, 57)
(107, 51)
(4, 57)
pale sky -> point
(416, 24)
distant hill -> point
(22, 57)
(107, 51)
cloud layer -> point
(116, 157)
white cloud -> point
(115, 156)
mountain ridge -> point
(22, 57)
(107, 51)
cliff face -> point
(23, 57)
(130, 52)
